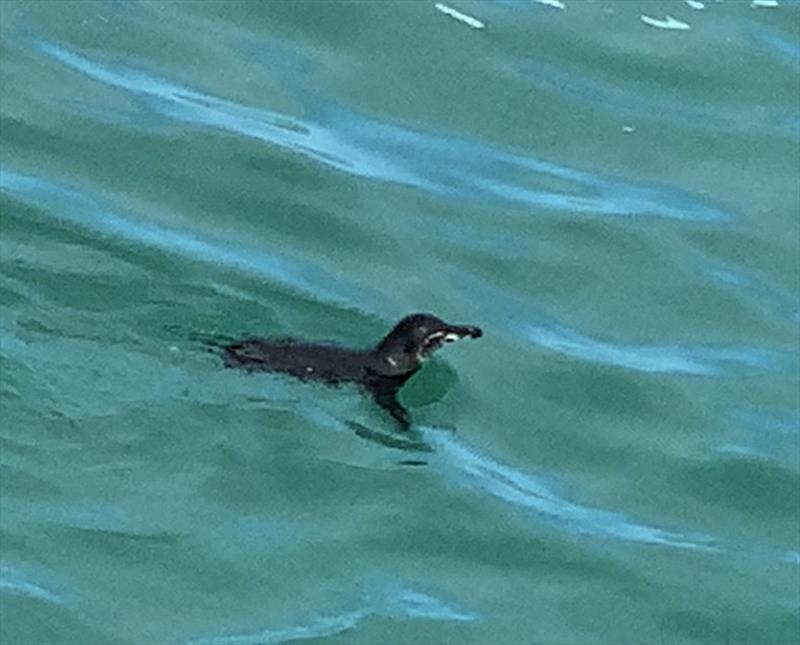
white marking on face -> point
(391, 361)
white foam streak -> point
(668, 23)
(457, 15)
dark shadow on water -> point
(408, 441)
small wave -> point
(318, 627)
(402, 602)
(356, 144)
(769, 297)
(393, 601)
(621, 100)
(668, 359)
(762, 421)
(780, 48)
(77, 208)
(526, 492)
(763, 435)
(13, 582)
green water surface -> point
(616, 204)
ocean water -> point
(610, 189)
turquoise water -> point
(616, 204)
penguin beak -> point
(436, 339)
(457, 332)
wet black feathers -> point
(380, 371)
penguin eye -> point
(433, 341)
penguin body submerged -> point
(380, 371)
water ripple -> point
(764, 435)
(783, 50)
(77, 208)
(524, 491)
(318, 627)
(13, 582)
(667, 359)
(769, 297)
(396, 602)
(353, 143)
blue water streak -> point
(76, 208)
(356, 144)
(666, 359)
(396, 602)
(14, 582)
(763, 422)
(317, 627)
(782, 49)
(474, 470)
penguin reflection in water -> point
(380, 371)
